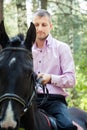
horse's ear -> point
(30, 37)
(3, 35)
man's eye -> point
(44, 25)
(36, 25)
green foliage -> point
(79, 93)
(10, 18)
(15, 17)
(78, 96)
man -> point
(53, 62)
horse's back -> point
(79, 116)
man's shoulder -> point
(59, 43)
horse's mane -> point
(17, 40)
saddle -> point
(53, 123)
(50, 119)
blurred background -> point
(70, 25)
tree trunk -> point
(1, 10)
(22, 18)
(43, 4)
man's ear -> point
(51, 26)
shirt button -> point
(40, 50)
(55, 84)
(40, 61)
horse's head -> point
(16, 76)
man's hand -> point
(46, 78)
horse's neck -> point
(30, 118)
(34, 118)
(38, 119)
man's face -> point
(43, 26)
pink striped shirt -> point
(55, 58)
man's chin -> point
(42, 38)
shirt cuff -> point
(55, 80)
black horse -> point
(18, 86)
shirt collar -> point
(47, 41)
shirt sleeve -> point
(67, 77)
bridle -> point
(11, 96)
(14, 49)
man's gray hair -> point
(41, 13)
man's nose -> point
(40, 27)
